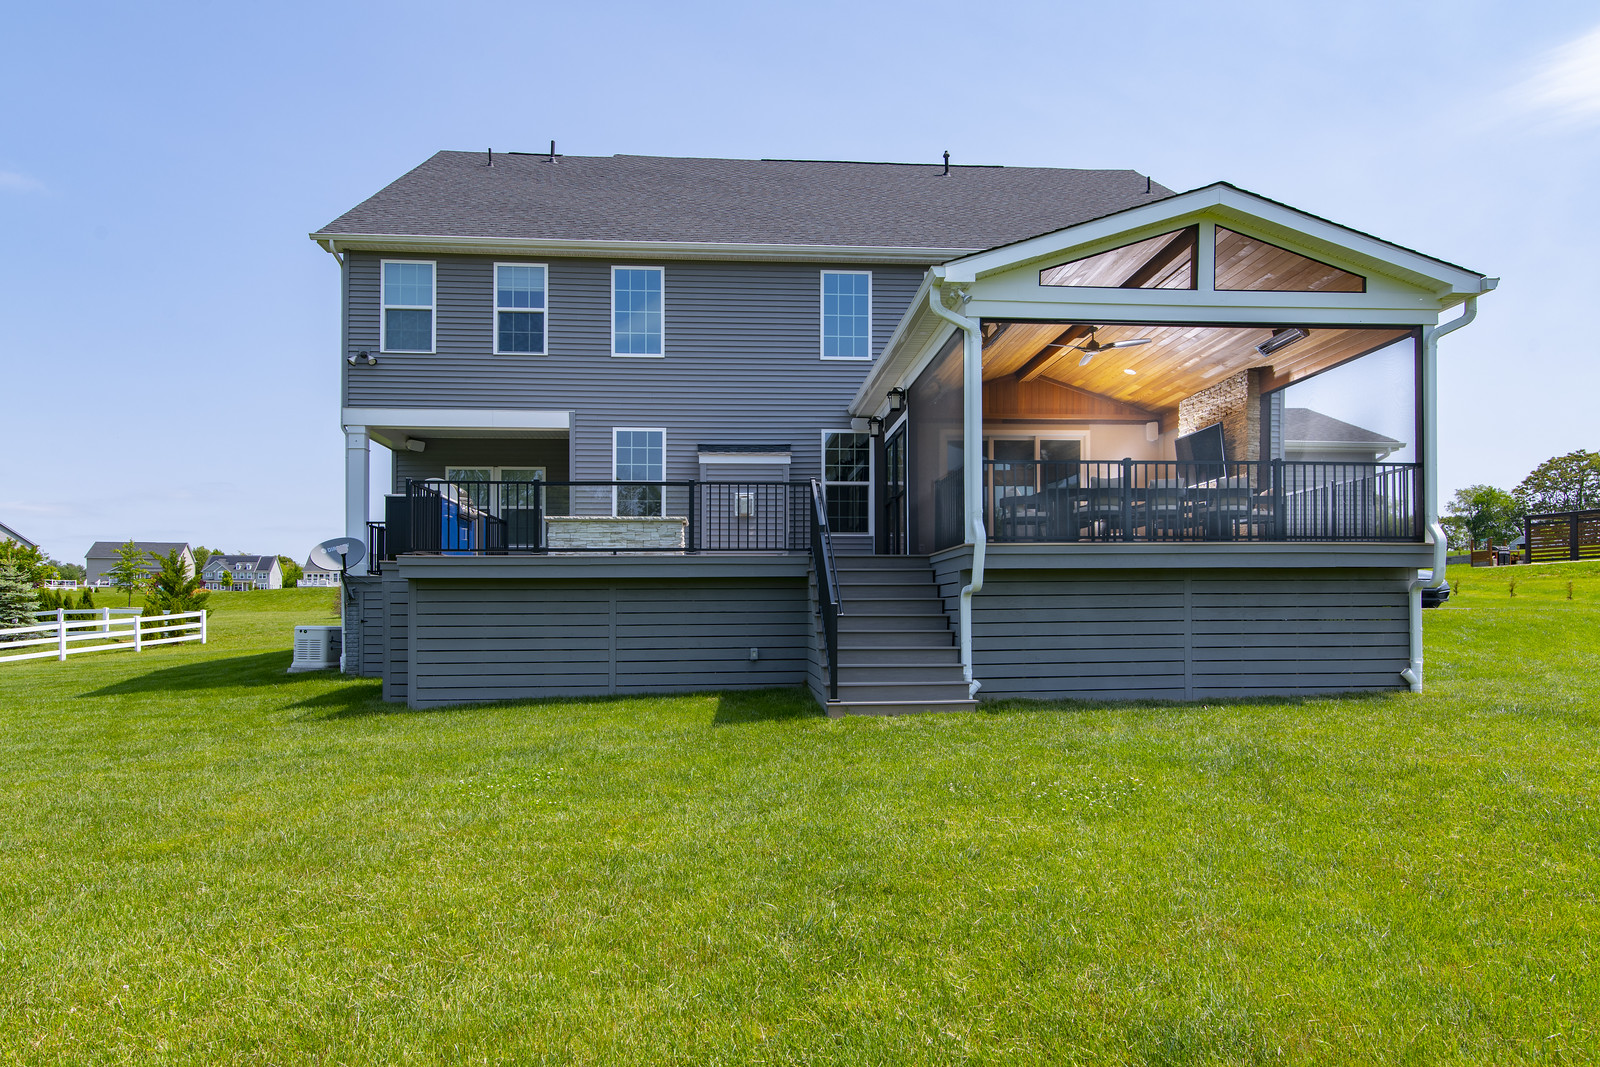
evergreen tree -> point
(47, 599)
(18, 601)
(173, 588)
(66, 600)
(87, 600)
(129, 571)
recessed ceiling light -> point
(1129, 370)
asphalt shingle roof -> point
(759, 201)
(1304, 424)
(108, 549)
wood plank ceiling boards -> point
(1182, 360)
(1249, 264)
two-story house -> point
(908, 434)
(238, 573)
(104, 555)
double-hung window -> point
(519, 309)
(638, 457)
(408, 296)
(847, 481)
(636, 311)
(846, 314)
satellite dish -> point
(337, 553)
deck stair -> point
(897, 654)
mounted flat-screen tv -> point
(1202, 446)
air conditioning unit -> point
(316, 648)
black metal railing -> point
(497, 517)
(1139, 500)
(377, 547)
(828, 598)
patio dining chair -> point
(1164, 508)
(1102, 506)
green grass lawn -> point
(205, 860)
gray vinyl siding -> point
(551, 454)
(1184, 635)
(742, 363)
(474, 641)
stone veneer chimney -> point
(1236, 403)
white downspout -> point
(972, 459)
(1430, 480)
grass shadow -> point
(358, 700)
(262, 669)
(738, 707)
(1024, 706)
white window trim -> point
(614, 476)
(637, 355)
(494, 279)
(384, 307)
(822, 317)
(872, 479)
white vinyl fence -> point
(100, 631)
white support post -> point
(105, 620)
(138, 633)
(203, 616)
(61, 634)
(357, 487)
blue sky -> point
(168, 335)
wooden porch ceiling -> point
(1179, 362)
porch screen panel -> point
(934, 479)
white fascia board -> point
(710, 458)
(424, 419)
(1202, 313)
(704, 250)
(1226, 202)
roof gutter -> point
(972, 454)
(744, 251)
(1430, 477)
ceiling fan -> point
(1094, 347)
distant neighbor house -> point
(8, 534)
(315, 577)
(244, 572)
(1312, 437)
(103, 555)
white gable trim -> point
(1226, 204)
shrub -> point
(87, 600)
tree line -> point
(1487, 515)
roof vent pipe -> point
(552, 150)
(946, 163)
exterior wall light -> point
(875, 426)
(897, 399)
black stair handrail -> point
(829, 603)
